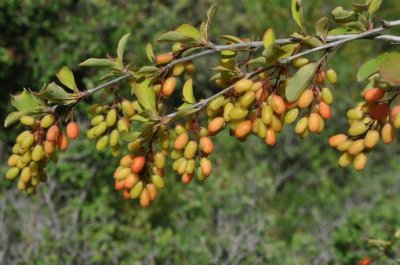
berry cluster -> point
(35, 146)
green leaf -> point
(56, 94)
(321, 27)
(98, 62)
(300, 81)
(24, 101)
(341, 31)
(144, 93)
(187, 91)
(359, 8)
(273, 53)
(149, 115)
(205, 26)
(258, 61)
(66, 77)
(389, 67)
(374, 6)
(130, 136)
(173, 36)
(147, 70)
(297, 13)
(121, 47)
(311, 41)
(341, 15)
(12, 118)
(150, 53)
(232, 38)
(185, 110)
(189, 31)
(269, 38)
(369, 68)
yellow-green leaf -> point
(98, 62)
(297, 13)
(187, 92)
(121, 47)
(150, 52)
(144, 93)
(66, 77)
(189, 31)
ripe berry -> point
(138, 164)
(164, 58)
(206, 145)
(306, 99)
(277, 104)
(181, 141)
(72, 130)
(243, 129)
(169, 86)
(217, 124)
(374, 94)
(145, 198)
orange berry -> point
(52, 133)
(313, 123)
(62, 142)
(138, 164)
(126, 195)
(337, 139)
(126, 160)
(186, 178)
(164, 58)
(277, 104)
(216, 125)
(365, 261)
(243, 129)
(270, 138)
(144, 198)
(320, 77)
(169, 86)
(181, 141)
(306, 98)
(380, 111)
(395, 110)
(387, 133)
(130, 181)
(119, 185)
(151, 188)
(72, 130)
(325, 110)
(49, 147)
(206, 166)
(374, 94)
(206, 145)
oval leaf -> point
(300, 81)
(297, 13)
(121, 47)
(145, 94)
(98, 62)
(188, 91)
(66, 77)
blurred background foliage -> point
(290, 204)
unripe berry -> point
(345, 160)
(178, 69)
(301, 125)
(270, 138)
(206, 145)
(38, 153)
(114, 138)
(159, 160)
(326, 95)
(12, 173)
(291, 116)
(135, 145)
(136, 190)
(276, 123)
(158, 181)
(243, 129)
(62, 142)
(169, 86)
(360, 161)
(374, 94)
(266, 114)
(217, 125)
(190, 68)
(354, 114)
(164, 58)
(306, 98)
(300, 62)
(357, 128)
(216, 103)
(128, 108)
(387, 133)
(100, 129)
(47, 120)
(247, 99)
(206, 166)
(123, 125)
(25, 175)
(96, 120)
(345, 145)
(138, 164)
(111, 117)
(227, 109)
(331, 76)
(12, 160)
(256, 86)
(396, 121)
(190, 150)
(190, 165)
(325, 110)
(181, 141)
(313, 122)
(121, 173)
(356, 147)
(28, 141)
(261, 129)
(243, 85)
(72, 130)
(22, 136)
(102, 143)
(27, 120)
(371, 139)
(337, 139)
(277, 104)
(237, 114)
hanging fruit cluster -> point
(35, 146)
